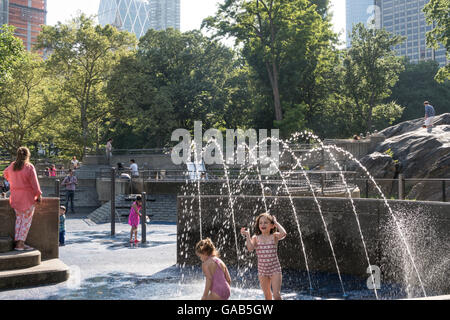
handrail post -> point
(113, 201)
(367, 188)
(131, 183)
(444, 191)
(401, 187)
(57, 189)
(144, 218)
(322, 183)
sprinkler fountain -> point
(218, 208)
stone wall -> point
(426, 226)
(85, 194)
(43, 234)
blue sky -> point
(192, 11)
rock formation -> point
(410, 150)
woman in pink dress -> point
(133, 218)
(25, 192)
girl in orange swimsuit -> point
(265, 242)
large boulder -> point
(409, 149)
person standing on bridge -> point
(25, 193)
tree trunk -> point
(84, 128)
(276, 95)
(273, 77)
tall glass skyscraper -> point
(130, 15)
(137, 16)
(358, 11)
(406, 18)
(164, 14)
(3, 12)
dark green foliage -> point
(417, 84)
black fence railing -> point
(433, 189)
(405, 189)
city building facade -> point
(406, 18)
(137, 16)
(164, 14)
(3, 12)
(400, 17)
(358, 11)
(130, 15)
(27, 16)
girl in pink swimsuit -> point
(218, 281)
(265, 242)
(133, 218)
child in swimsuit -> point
(265, 242)
(133, 218)
(218, 281)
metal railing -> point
(399, 189)
(321, 181)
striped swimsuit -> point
(268, 263)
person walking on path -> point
(109, 150)
(70, 182)
(25, 193)
(430, 113)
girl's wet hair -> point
(268, 217)
(138, 198)
(206, 247)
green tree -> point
(438, 13)
(11, 51)
(371, 69)
(415, 85)
(282, 41)
(82, 58)
(23, 105)
(173, 80)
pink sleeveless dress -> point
(268, 263)
(133, 218)
(220, 285)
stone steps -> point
(47, 272)
(163, 209)
(13, 260)
(6, 244)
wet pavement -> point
(110, 268)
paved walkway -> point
(103, 267)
